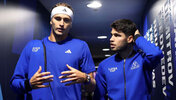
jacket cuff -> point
(27, 86)
(136, 36)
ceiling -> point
(89, 23)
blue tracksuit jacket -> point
(73, 52)
(131, 78)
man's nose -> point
(61, 22)
(111, 39)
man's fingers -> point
(41, 82)
(67, 76)
(68, 80)
(39, 70)
(41, 86)
(45, 77)
(48, 80)
(43, 74)
(45, 81)
(67, 72)
(48, 77)
(71, 70)
(69, 67)
(137, 32)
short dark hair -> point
(124, 25)
(62, 4)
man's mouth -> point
(60, 29)
(112, 45)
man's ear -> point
(130, 39)
(50, 22)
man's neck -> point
(126, 53)
(56, 38)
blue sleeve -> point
(17, 82)
(87, 63)
(100, 91)
(152, 54)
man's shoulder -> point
(108, 60)
(34, 42)
(78, 40)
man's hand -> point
(73, 76)
(39, 78)
(136, 32)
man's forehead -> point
(62, 15)
(114, 31)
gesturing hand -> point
(73, 76)
(39, 78)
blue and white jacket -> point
(131, 78)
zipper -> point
(124, 78)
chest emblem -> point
(135, 65)
(112, 69)
(35, 49)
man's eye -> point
(67, 20)
(116, 35)
(58, 18)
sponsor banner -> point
(162, 32)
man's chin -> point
(113, 49)
(59, 34)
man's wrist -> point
(27, 85)
(136, 36)
(88, 79)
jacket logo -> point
(35, 49)
(135, 65)
(68, 51)
(113, 69)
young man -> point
(127, 74)
(52, 68)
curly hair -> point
(124, 25)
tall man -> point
(53, 68)
(127, 74)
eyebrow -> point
(115, 33)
